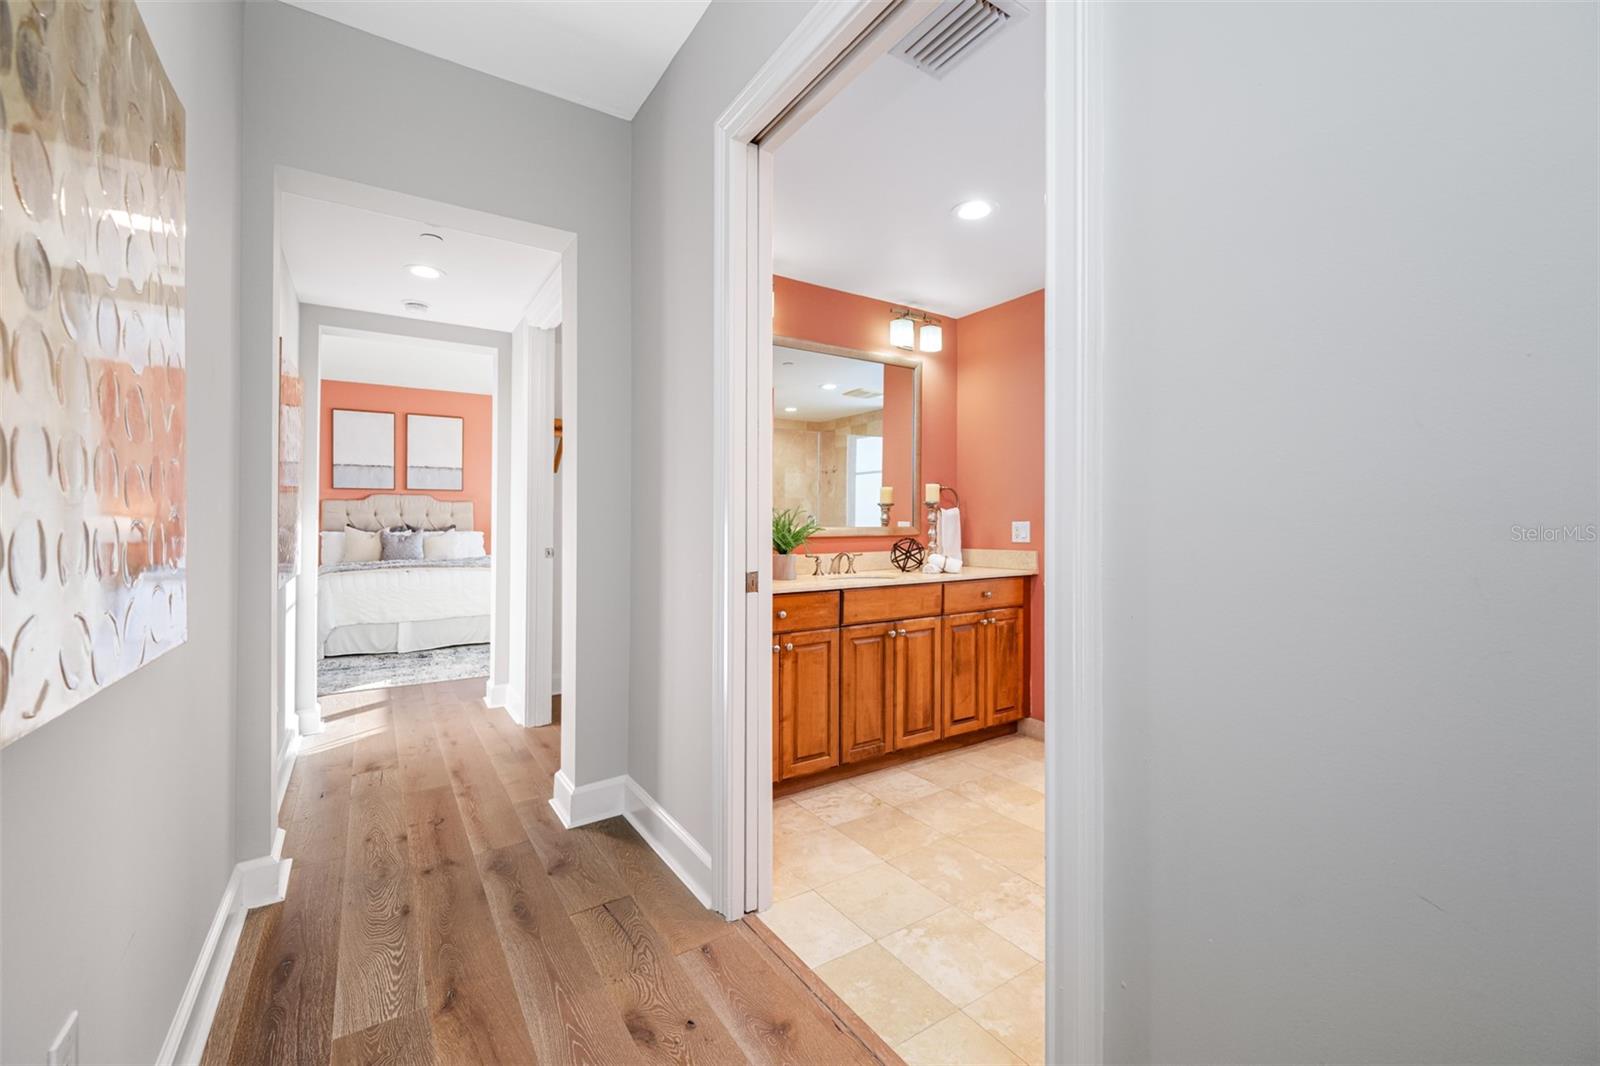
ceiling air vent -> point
(862, 394)
(954, 31)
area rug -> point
(347, 673)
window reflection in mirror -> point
(844, 429)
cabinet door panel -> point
(963, 697)
(916, 700)
(1005, 684)
(808, 704)
(866, 691)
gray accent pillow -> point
(401, 545)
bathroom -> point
(908, 443)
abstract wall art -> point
(363, 449)
(93, 521)
(433, 452)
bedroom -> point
(403, 346)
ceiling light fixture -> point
(423, 270)
(415, 307)
(973, 210)
(790, 410)
(829, 387)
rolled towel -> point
(952, 566)
(934, 564)
(950, 535)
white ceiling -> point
(798, 377)
(410, 362)
(864, 190)
(342, 256)
(605, 55)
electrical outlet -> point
(64, 1048)
(1021, 532)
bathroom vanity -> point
(869, 670)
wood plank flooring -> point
(438, 913)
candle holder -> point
(883, 514)
(933, 527)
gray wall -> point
(1351, 719)
(324, 98)
(669, 747)
(117, 842)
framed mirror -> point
(847, 424)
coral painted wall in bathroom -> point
(477, 441)
(828, 316)
(1000, 442)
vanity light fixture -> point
(931, 337)
(423, 270)
(973, 210)
(903, 331)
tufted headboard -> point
(383, 510)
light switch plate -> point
(64, 1048)
(1021, 532)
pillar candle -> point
(930, 493)
(886, 494)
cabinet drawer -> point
(891, 604)
(981, 595)
(794, 611)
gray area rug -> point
(347, 673)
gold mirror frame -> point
(915, 366)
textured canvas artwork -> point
(433, 452)
(93, 536)
(363, 449)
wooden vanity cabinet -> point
(882, 670)
(805, 703)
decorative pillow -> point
(401, 545)
(440, 545)
(469, 544)
(332, 548)
(362, 545)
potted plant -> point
(790, 529)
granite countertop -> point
(880, 578)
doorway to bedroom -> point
(419, 432)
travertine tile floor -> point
(917, 894)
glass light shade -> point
(932, 338)
(903, 333)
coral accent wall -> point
(828, 316)
(477, 440)
(1000, 442)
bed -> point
(372, 607)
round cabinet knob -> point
(783, 614)
(788, 647)
(988, 594)
(774, 647)
(902, 632)
(983, 622)
(892, 634)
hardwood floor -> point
(437, 912)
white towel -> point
(950, 536)
(933, 564)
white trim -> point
(593, 802)
(670, 840)
(197, 1007)
(496, 695)
(310, 717)
(1074, 346)
(544, 310)
(282, 772)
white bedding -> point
(396, 599)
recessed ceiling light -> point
(972, 210)
(423, 270)
(830, 386)
(415, 307)
(790, 410)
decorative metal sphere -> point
(907, 554)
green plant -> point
(791, 528)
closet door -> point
(916, 690)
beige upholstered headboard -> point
(383, 510)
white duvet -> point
(399, 595)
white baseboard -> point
(310, 719)
(593, 802)
(283, 771)
(496, 695)
(670, 840)
(1031, 727)
(247, 887)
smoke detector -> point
(955, 30)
